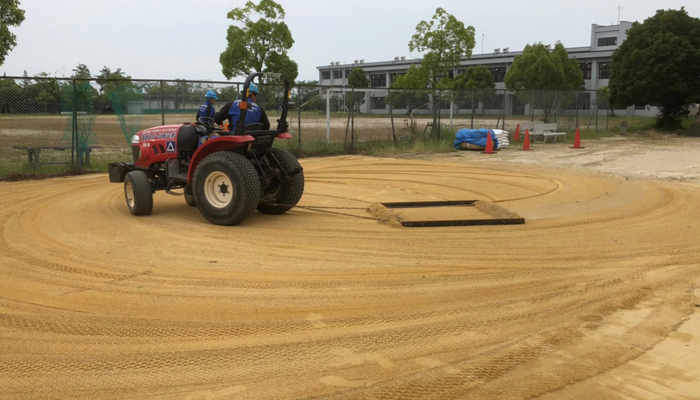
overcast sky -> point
(168, 39)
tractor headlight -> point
(135, 139)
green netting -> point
(128, 105)
(77, 104)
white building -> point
(595, 61)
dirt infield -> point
(595, 296)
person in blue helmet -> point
(206, 110)
(254, 114)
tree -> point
(119, 89)
(309, 96)
(26, 81)
(81, 72)
(45, 92)
(414, 94)
(260, 43)
(659, 65)
(10, 95)
(356, 79)
(539, 69)
(84, 95)
(445, 40)
(114, 81)
(105, 72)
(474, 83)
(10, 15)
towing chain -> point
(327, 210)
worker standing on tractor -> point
(254, 114)
(206, 110)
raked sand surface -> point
(595, 296)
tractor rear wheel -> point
(226, 188)
(138, 193)
(283, 192)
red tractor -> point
(227, 177)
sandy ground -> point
(597, 295)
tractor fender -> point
(211, 146)
(284, 135)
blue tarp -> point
(474, 136)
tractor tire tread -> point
(143, 195)
(243, 176)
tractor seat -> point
(255, 127)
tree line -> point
(658, 64)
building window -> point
(377, 103)
(604, 69)
(396, 75)
(498, 73)
(607, 41)
(325, 74)
(492, 102)
(581, 101)
(587, 68)
(347, 73)
(444, 103)
(461, 71)
(337, 74)
(378, 80)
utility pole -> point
(482, 41)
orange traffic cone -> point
(489, 144)
(577, 140)
(516, 137)
(526, 142)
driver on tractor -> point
(254, 114)
(206, 111)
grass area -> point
(377, 148)
(373, 135)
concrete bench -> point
(33, 153)
(545, 131)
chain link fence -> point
(53, 125)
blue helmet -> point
(211, 95)
(252, 88)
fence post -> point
(555, 106)
(532, 107)
(596, 112)
(503, 106)
(299, 114)
(328, 117)
(452, 111)
(576, 106)
(391, 115)
(439, 114)
(352, 120)
(75, 146)
(472, 123)
(162, 104)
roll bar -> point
(282, 122)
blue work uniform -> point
(206, 110)
(231, 111)
(253, 114)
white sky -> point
(169, 39)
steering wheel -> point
(208, 121)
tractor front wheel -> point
(226, 188)
(138, 193)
